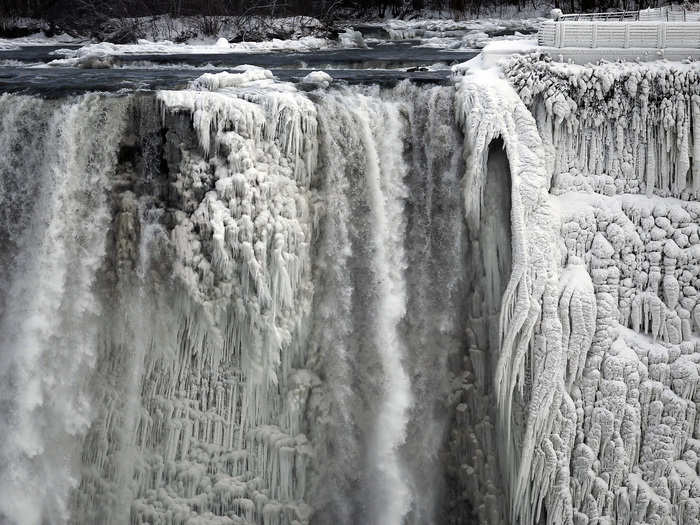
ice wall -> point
(617, 128)
(602, 427)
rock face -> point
(241, 303)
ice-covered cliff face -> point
(596, 365)
(617, 442)
(242, 303)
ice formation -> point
(243, 303)
(594, 368)
(609, 394)
(242, 311)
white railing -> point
(672, 13)
(645, 35)
(614, 16)
(669, 14)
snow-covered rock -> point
(320, 78)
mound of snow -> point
(164, 47)
(320, 78)
(246, 76)
(352, 38)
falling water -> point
(55, 218)
(384, 173)
(246, 302)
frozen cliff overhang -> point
(489, 108)
(599, 321)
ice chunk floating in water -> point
(244, 303)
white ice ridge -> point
(600, 319)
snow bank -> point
(246, 76)
(38, 39)
(249, 28)
(426, 28)
(105, 50)
(321, 78)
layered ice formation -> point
(243, 303)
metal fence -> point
(645, 35)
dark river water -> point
(25, 69)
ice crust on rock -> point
(597, 367)
(617, 128)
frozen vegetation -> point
(256, 302)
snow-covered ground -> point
(200, 30)
(427, 28)
(38, 39)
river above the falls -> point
(27, 69)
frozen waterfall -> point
(243, 303)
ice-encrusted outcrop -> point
(595, 365)
(216, 432)
(605, 417)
